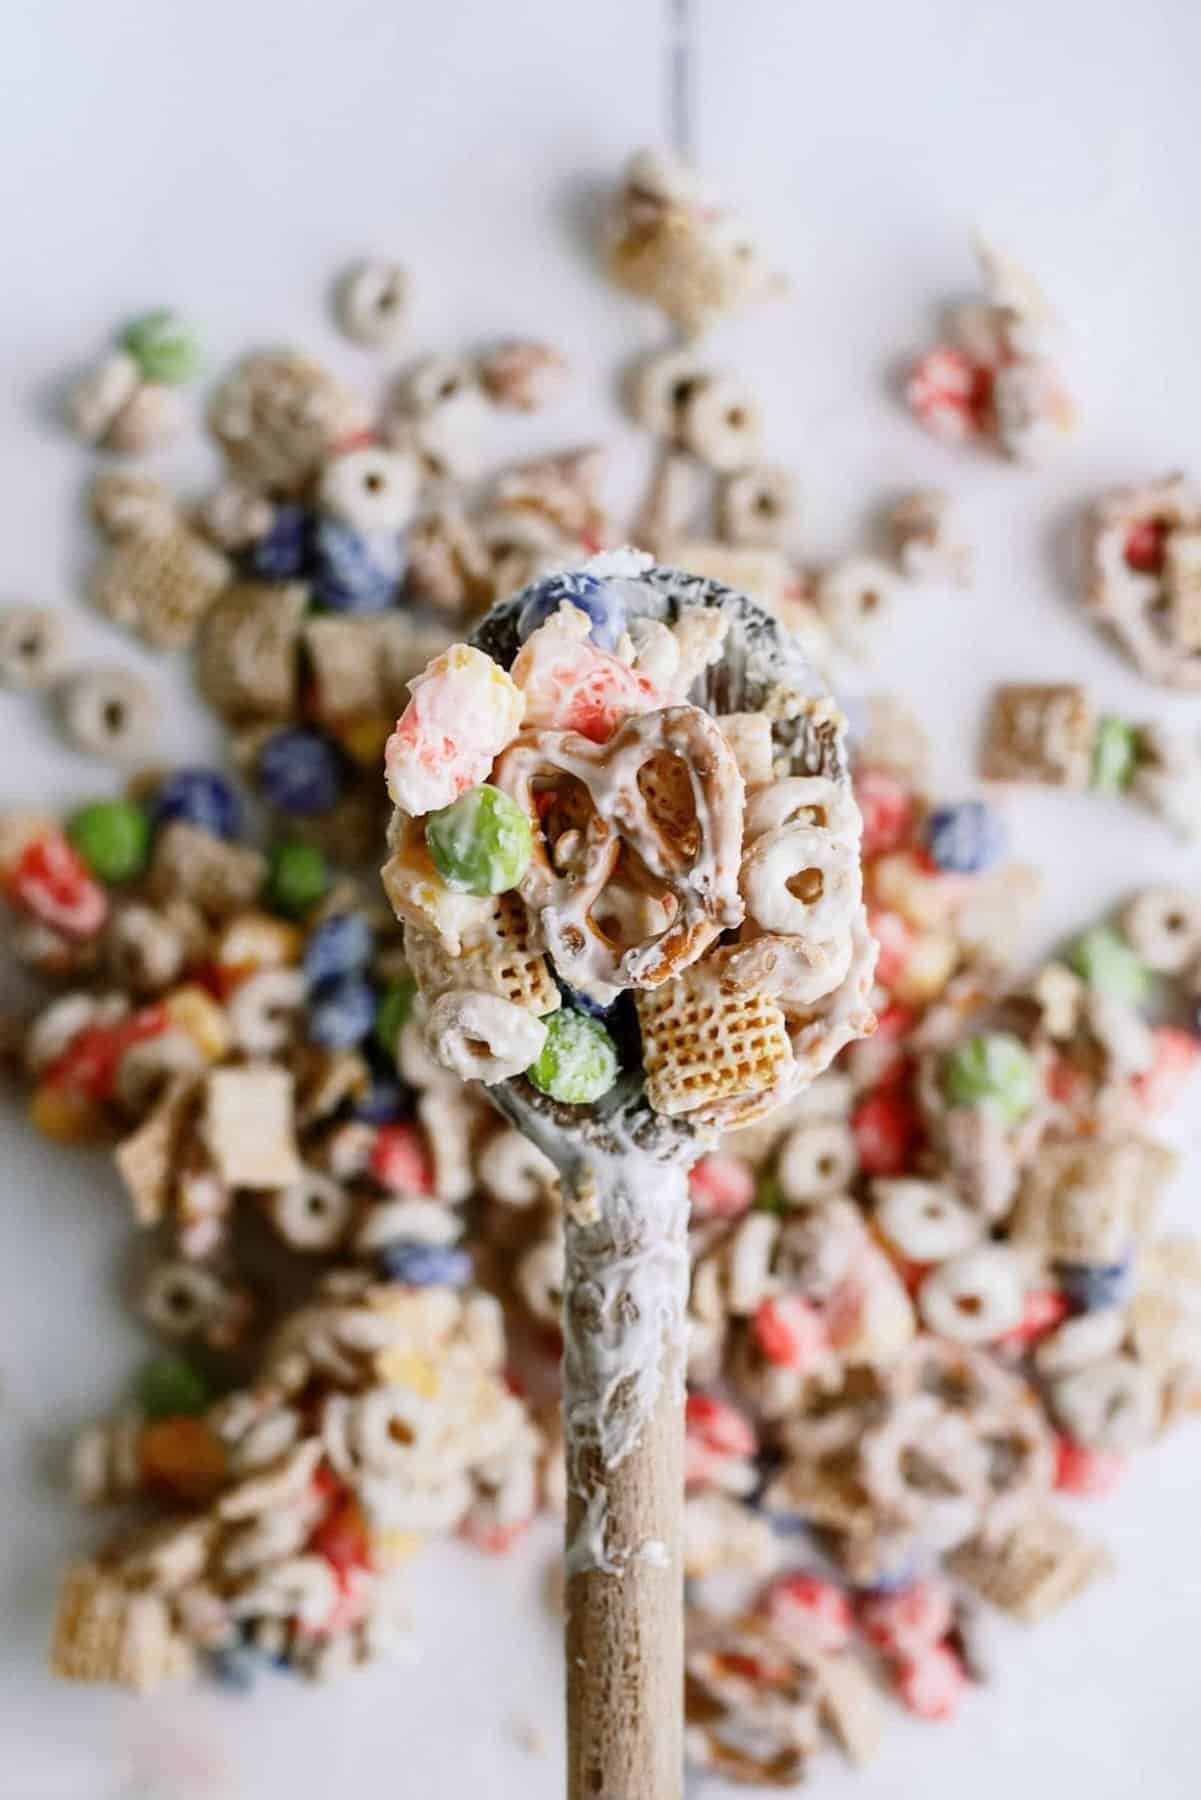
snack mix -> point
(929, 1294)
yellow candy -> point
(256, 940)
(193, 1011)
(67, 1116)
(363, 740)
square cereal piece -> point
(219, 877)
(1042, 1565)
(104, 1631)
(1085, 1201)
(249, 1127)
(700, 1044)
(1182, 587)
(1040, 733)
(749, 737)
(497, 960)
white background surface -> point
(227, 158)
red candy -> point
(885, 1127)
(949, 394)
(399, 1161)
(1144, 546)
(887, 808)
(52, 883)
(932, 1685)
(1045, 1308)
(1176, 1054)
(1085, 1472)
(716, 1433)
(342, 1537)
(722, 1187)
(89, 1063)
(808, 1612)
(896, 941)
(789, 1331)
(911, 1621)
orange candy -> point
(182, 1457)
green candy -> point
(298, 877)
(164, 346)
(993, 1069)
(481, 843)
(1114, 755)
(769, 1194)
(169, 1386)
(578, 1062)
(391, 1015)
(1108, 964)
(113, 838)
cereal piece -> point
(1142, 589)
(568, 683)
(97, 398)
(721, 424)
(924, 1220)
(314, 1214)
(464, 710)
(749, 737)
(1031, 409)
(816, 1160)
(147, 1160)
(32, 646)
(660, 387)
(278, 417)
(108, 713)
(371, 302)
(803, 881)
(852, 595)
(190, 862)
(1111, 1404)
(1083, 1201)
(850, 1706)
(1040, 733)
(104, 1631)
(1163, 927)
(564, 490)
(498, 960)
(1042, 1565)
(523, 377)
(159, 583)
(248, 1125)
(701, 1045)
(247, 664)
(948, 394)
(974, 1297)
(928, 539)
(370, 489)
(483, 1037)
(758, 506)
(439, 413)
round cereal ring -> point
(1108, 1405)
(483, 1037)
(896, 1455)
(312, 1214)
(975, 1297)
(392, 1430)
(1163, 928)
(924, 1220)
(721, 424)
(758, 506)
(816, 1160)
(851, 595)
(513, 1171)
(541, 1275)
(32, 642)
(370, 489)
(264, 1010)
(662, 386)
(181, 1299)
(108, 712)
(801, 881)
(802, 800)
(371, 302)
(148, 1067)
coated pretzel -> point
(647, 826)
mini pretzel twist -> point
(638, 838)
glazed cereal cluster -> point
(929, 1296)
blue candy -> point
(337, 947)
(354, 574)
(425, 1265)
(284, 553)
(300, 772)
(597, 598)
(199, 797)
(341, 1011)
(1092, 1287)
(235, 1667)
(966, 838)
(382, 1102)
